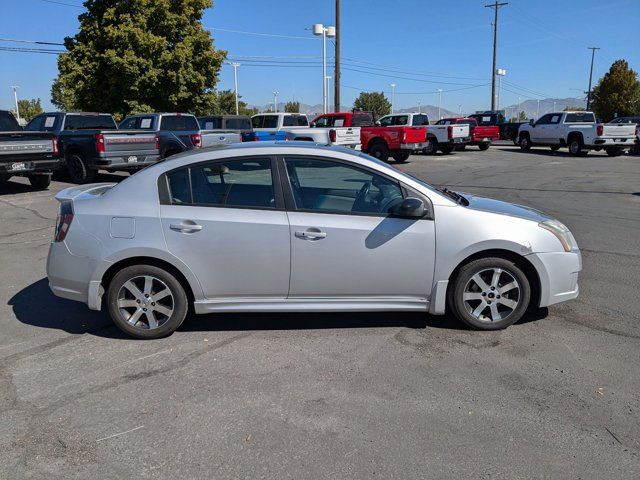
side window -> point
(322, 122)
(386, 121)
(270, 121)
(295, 121)
(543, 120)
(321, 185)
(233, 183)
(256, 122)
(338, 121)
(35, 125)
(128, 123)
(401, 120)
(555, 119)
(419, 120)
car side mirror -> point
(378, 124)
(532, 123)
(412, 207)
(312, 125)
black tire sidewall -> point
(525, 143)
(456, 291)
(432, 149)
(40, 182)
(181, 303)
(84, 174)
(382, 149)
(401, 157)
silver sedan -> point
(299, 227)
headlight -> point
(561, 232)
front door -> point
(344, 242)
(224, 219)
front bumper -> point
(558, 272)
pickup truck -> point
(89, 142)
(578, 131)
(178, 132)
(439, 137)
(27, 154)
(635, 150)
(240, 124)
(508, 130)
(381, 142)
(296, 127)
(482, 136)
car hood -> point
(505, 208)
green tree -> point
(292, 107)
(618, 92)
(374, 102)
(569, 108)
(521, 117)
(139, 55)
(225, 104)
(29, 108)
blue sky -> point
(420, 45)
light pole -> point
(393, 95)
(500, 72)
(593, 54)
(328, 79)
(15, 96)
(235, 66)
(275, 102)
(554, 107)
(320, 29)
(419, 104)
(439, 101)
(538, 110)
(460, 109)
(518, 112)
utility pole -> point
(460, 110)
(393, 95)
(593, 54)
(275, 102)
(15, 95)
(495, 6)
(419, 104)
(235, 66)
(328, 94)
(336, 76)
(439, 101)
(538, 110)
(518, 112)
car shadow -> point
(35, 305)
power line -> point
(31, 50)
(14, 40)
(62, 3)
(261, 34)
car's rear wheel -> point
(613, 151)
(432, 146)
(447, 149)
(484, 146)
(146, 302)
(490, 293)
(401, 156)
(41, 182)
(525, 143)
(380, 151)
(4, 178)
(576, 147)
(79, 171)
(554, 148)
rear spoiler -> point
(92, 189)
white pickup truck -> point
(296, 127)
(578, 131)
(444, 137)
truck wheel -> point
(525, 143)
(78, 170)
(576, 147)
(461, 148)
(613, 151)
(4, 178)
(484, 146)
(41, 182)
(401, 156)
(380, 151)
(554, 148)
(447, 149)
(432, 146)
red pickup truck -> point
(482, 136)
(381, 142)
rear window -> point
(210, 123)
(362, 119)
(238, 123)
(8, 123)
(419, 120)
(580, 117)
(179, 123)
(444, 121)
(295, 121)
(89, 122)
(467, 121)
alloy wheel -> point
(145, 302)
(491, 295)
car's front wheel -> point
(490, 293)
(146, 302)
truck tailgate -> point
(35, 144)
(459, 131)
(210, 138)
(129, 141)
(619, 130)
(479, 133)
(414, 134)
(346, 135)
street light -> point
(235, 66)
(500, 72)
(15, 95)
(328, 79)
(275, 102)
(419, 103)
(439, 102)
(320, 29)
(393, 95)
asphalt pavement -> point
(360, 396)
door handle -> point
(186, 227)
(311, 234)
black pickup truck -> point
(27, 154)
(89, 142)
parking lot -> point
(370, 395)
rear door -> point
(225, 220)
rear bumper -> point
(481, 140)
(459, 140)
(412, 147)
(558, 272)
(127, 160)
(29, 166)
(614, 142)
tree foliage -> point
(374, 102)
(225, 104)
(292, 107)
(137, 56)
(569, 108)
(618, 92)
(29, 108)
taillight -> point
(157, 141)
(332, 135)
(63, 222)
(450, 132)
(99, 142)
(403, 137)
(54, 145)
(600, 130)
(255, 137)
(196, 140)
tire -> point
(576, 147)
(401, 157)
(79, 171)
(4, 178)
(447, 149)
(41, 182)
(461, 148)
(613, 151)
(380, 151)
(432, 147)
(126, 301)
(525, 143)
(554, 148)
(484, 146)
(493, 309)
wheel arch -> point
(573, 135)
